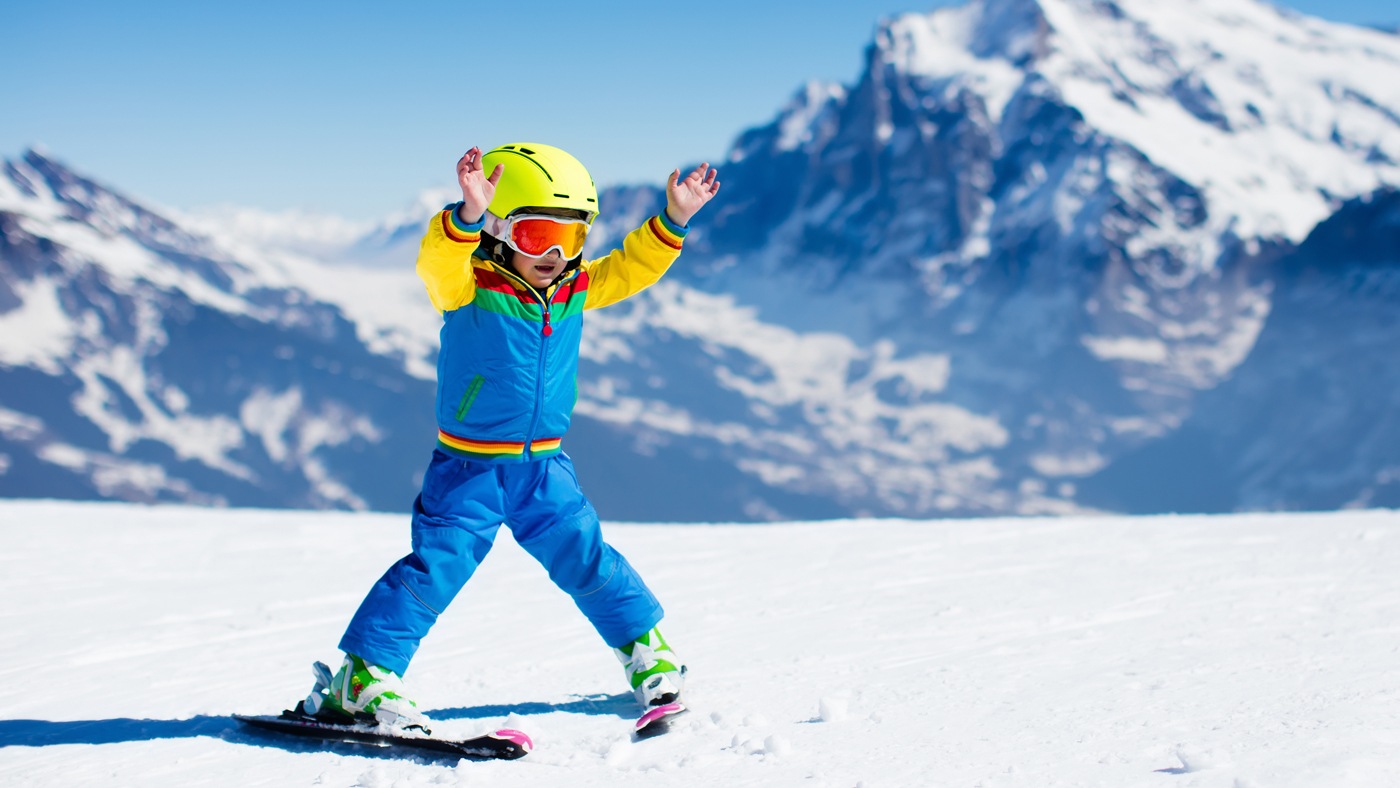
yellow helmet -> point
(540, 176)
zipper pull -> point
(548, 329)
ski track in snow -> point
(1248, 650)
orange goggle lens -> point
(537, 235)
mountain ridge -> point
(972, 282)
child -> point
(504, 267)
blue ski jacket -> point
(508, 366)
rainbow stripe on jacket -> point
(508, 365)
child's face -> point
(541, 271)
(538, 271)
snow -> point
(123, 259)
(1270, 113)
(833, 378)
(1170, 651)
(390, 308)
(865, 416)
(300, 230)
(1286, 85)
(392, 315)
(795, 126)
(944, 45)
(1127, 348)
(1080, 463)
(38, 331)
(269, 416)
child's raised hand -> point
(685, 197)
(477, 187)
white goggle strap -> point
(496, 227)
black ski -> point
(502, 744)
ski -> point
(657, 720)
(502, 744)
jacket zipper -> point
(545, 333)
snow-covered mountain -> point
(1067, 219)
(1310, 418)
(998, 273)
(141, 361)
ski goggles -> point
(536, 236)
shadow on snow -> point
(624, 706)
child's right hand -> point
(477, 187)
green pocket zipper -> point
(473, 389)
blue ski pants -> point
(455, 519)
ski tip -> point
(518, 738)
(657, 714)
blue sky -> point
(353, 107)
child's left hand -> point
(685, 198)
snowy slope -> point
(1205, 651)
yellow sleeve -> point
(645, 255)
(445, 260)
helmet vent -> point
(527, 150)
(565, 196)
(530, 159)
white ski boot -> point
(361, 690)
(656, 674)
